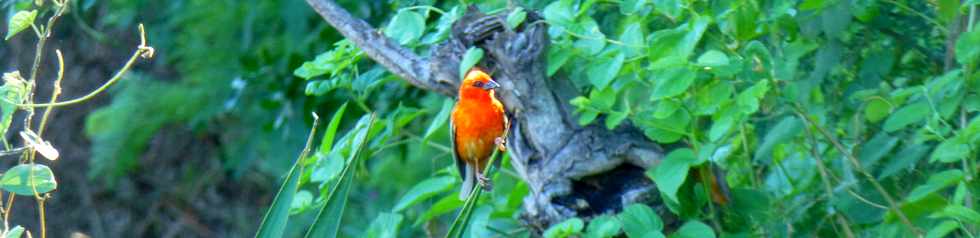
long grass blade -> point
(327, 223)
(463, 218)
(277, 216)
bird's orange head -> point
(477, 85)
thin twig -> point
(857, 166)
(54, 92)
(143, 51)
(14, 151)
(844, 223)
(846, 226)
(425, 7)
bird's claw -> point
(501, 144)
(484, 182)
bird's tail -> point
(469, 180)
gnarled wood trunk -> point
(571, 170)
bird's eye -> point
(478, 84)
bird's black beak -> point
(490, 85)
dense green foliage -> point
(830, 117)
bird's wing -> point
(460, 164)
(465, 172)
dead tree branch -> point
(571, 170)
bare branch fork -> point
(571, 170)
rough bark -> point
(571, 170)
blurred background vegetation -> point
(197, 141)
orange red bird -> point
(477, 127)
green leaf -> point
(564, 229)
(670, 8)
(472, 57)
(672, 171)
(274, 222)
(876, 110)
(603, 99)
(333, 62)
(664, 48)
(951, 150)
(603, 226)
(671, 82)
(786, 66)
(742, 23)
(943, 229)
(640, 221)
(13, 91)
(24, 179)
(693, 229)
(713, 58)
(936, 182)
(722, 125)
(443, 26)
(515, 198)
(19, 22)
(666, 108)
(968, 46)
(326, 144)
(709, 98)
(751, 202)
(587, 116)
(602, 73)
(406, 27)
(440, 119)
(424, 190)
(301, 201)
(961, 213)
(628, 7)
(912, 113)
(667, 130)
(959, 196)
(445, 205)
(632, 39)
(972, 103)
(672, 47)
(876, 148)
(515, 18)
(835, 20)
(385, 225)
(615, 118)
(328, 219)
(782, 132)
(748, 100)
(591, 40)
(558, 55)
(15, 232)
(904, 159)
(559, 13)
(918, 209)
